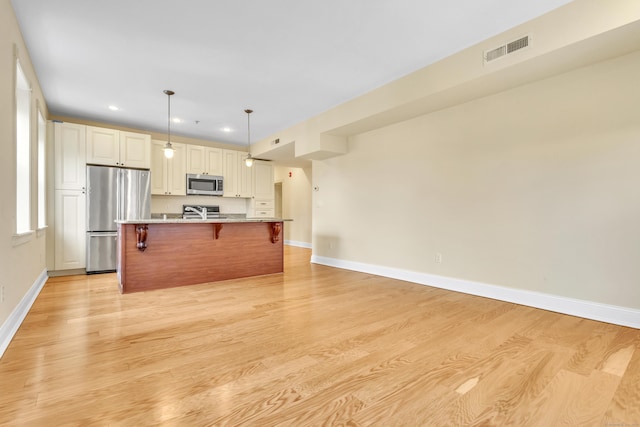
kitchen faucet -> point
(202, 212)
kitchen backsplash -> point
(173, 204)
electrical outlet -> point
(438, 258)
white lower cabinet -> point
(70, 229)
(261, 208)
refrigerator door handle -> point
(103, 234)
(118, 216)
(119, 192)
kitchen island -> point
(164, 253)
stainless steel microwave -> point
(204, 185)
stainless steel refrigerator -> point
(112, 193)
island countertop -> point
(200, 221)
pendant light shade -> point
(249, 160)
(168, 148)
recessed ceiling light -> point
(113, 108)
(176, 120)
(226, 129)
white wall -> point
(20, 263)
(535, 188)
(296, 203)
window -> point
(42, 179)
(23, 152)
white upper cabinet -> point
(195, 159)
(176, 171)
(204, 160)
(237, 176)
(214, 161)
(168, 175)
(103, 146)
(135, 150)
(263, 180)
(70, 156)
(112, 147)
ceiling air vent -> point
(506, 49)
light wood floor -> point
(312, 346)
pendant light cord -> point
(168, 116)
(248, 111)
(168, 93)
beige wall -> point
(535, 188)
(20, 264)
(296, 203)
(575, 35)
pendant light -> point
(249, 160)
(168, 148)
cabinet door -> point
(135, 150)
(214, 161)
(230, 173)
(176, 171)
(245, 177)
(70, 156)
(263, 180)
(238, 180)
(195, 159)
(70, 232)
(158, 168)
(103, 146)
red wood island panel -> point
(156, 256)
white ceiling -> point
(288, 60)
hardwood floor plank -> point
(312, 346)
(625, 405)
(591, 401)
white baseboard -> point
(298, 244)
(15, 319)
(589, 310)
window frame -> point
(23, 103)
(42, 168)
